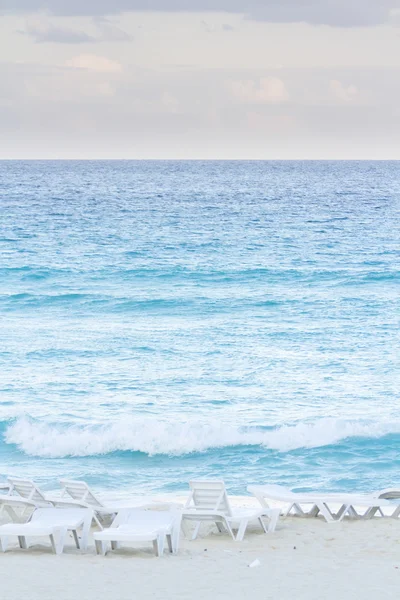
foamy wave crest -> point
(157, 437)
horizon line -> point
(48, 159)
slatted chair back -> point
(27, 489)
(80, 491)
(209, 495)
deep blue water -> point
(167, 320)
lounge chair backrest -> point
(79, 490)
(27, 489)
(209, 495)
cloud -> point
(268, 90)
(44, 31)
(343, 93)
(92, 62)
(343, 13)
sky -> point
(188, 79)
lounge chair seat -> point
(50, 522)
(135, 525)
(208, 501)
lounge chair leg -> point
(196, 530)
(340, 511)
(75, 534)
(86, 529)
(326, 513)
(314, 511)
(347, 510)
(158, 545)
(273, 520)
(53, 544)
(242, 529)
(396, 513)
(175, 538)
(297, 509)
(229, 528)
(370, 512)
(3, 543)
(287, 510)
(59, 541)
(220, 527)
(169, 542)
(100, 547)
(22, 542)
(262, 524)
(352, 512)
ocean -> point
(162, 321)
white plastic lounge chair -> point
(208, 501)
(318, 503)
(50, 522)
(135, 525)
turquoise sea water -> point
(167, 320)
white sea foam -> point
(157, 437)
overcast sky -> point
(200, 79)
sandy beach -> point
(304, 559)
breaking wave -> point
(154, 437)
